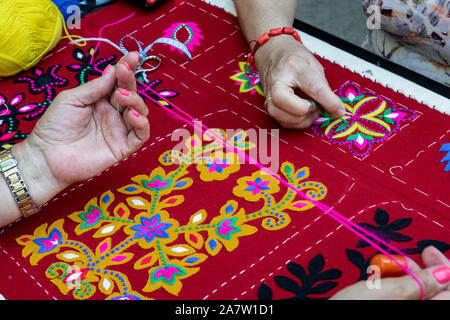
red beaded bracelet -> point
(266, 36)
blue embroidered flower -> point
(151, 228)
(50, 243)
(257, 186)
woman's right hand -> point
(284, 65)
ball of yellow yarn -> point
(28, 30)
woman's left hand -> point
(435, 281)
(82, 134)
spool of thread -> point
(389, 268)
(29, 29)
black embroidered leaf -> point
(264, 292)
(298, 271)
(316, 265)
(355, 257)
(400, 224)
(381, 217)
(395, 236)
(324, 287)
(312, 282)
(287, 284)
(330, 274)
(441, 246)
(421, 245)
(358, 260)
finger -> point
(444, 295)
(92, 91)
(412, 265)
(432, 257)
(125, 71)
(281, 115)
(433, 281)
(126, 99)
(318, 89)
(305, 123)
(285, 98)
(140, 131)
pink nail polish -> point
(124, 92)
(126, 65)
(108, 67)
(442, 274)
(135, 113)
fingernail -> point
(126, 65)
(442, 274)
(137, 53)
(135, 113)
(124, 92)
(108, 67)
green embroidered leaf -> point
(325, 123)
(242, 145)
(388, 120)
(368, 138)
(353, 137)
(342, 127)
(387, 111)
(343, 99)
(358, 98)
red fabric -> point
(399, 186)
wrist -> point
(36, 173)
(274, 49)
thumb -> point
(92, 91)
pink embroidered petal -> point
(16, 100)
(27, 108)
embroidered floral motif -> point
(150, 237)
(187, 33)
(85, 68)
(9, 111)
(247, 79)
(41, 82)
(370, 119)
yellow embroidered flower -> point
(218, 166)
(256, 186)
(227, 228)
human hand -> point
(81, 133)
(284, 65)
(435, 279)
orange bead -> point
(389, 268)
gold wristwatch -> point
(8, 166)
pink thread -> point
(103, 28)
(327, 210)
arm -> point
(284, 65)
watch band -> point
(8, 166)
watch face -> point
(8, 164)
